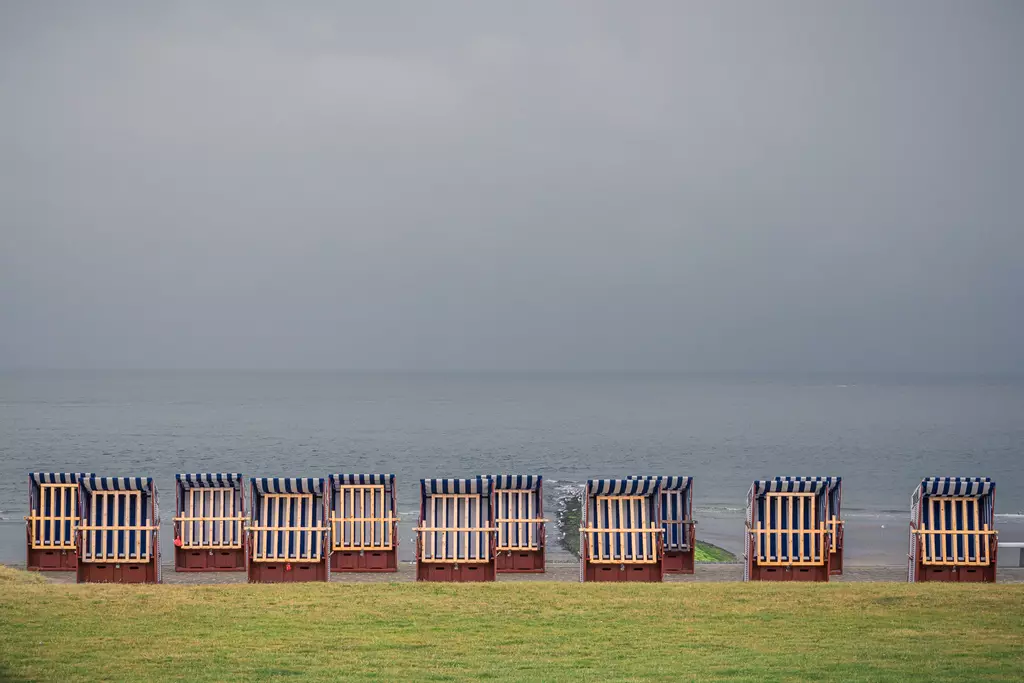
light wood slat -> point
(632, 529)
(940, 539)
(217, 526)
(795, 526)
(48, 521)
(521, 507)
(288, 524)
(443, 514)
(358, 525)
(114, 542)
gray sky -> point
(651, 185)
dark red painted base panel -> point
(649, 573)
(521, 562)
(110, 572)
(836, 563)
(366, 561)
(186, 560)
(52, 560)
(430, 571)
(285, 572)
(820, 574)
(956, 574)
(678, 562)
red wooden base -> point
(365, 561)
(51, 560)
(431, 571)
(521, 561)
(956, 574)
(678, 561)
(650, 573)
(110, 572)
(186, 560)
(836, 563)
(287, 572)
(819, 573)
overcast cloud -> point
(431, 185)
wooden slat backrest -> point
(456, 528)
(675, 518)
(516, 519)
(952, 532)
(288, 528)
(54, 521)
(788, 533)
(210, 520)
(114, 528)
(361, 518)
(621, 531)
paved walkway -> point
(555, 572)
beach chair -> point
(455, 536)
(52, 521)
(680, 537)
(288, 531)
(789, 529)
(364, 524)
(519, 519)
(119, 530)
(952, 530)
(209, 523)
(621, 535)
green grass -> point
(706, 552)
(520, 631)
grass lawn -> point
(535, 631)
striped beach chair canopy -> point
(120, 519)
(209, 510)
(53, 509)
(790, 517)
(954, 516)
(518, 514)
(676, 510)
(456, 520)
(288, 519)
(622, 520)
(362, 511)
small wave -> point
(1011, 515)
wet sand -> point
(556, 571)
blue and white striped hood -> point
(337, 480)
(480, 485)
(957, 486)
(516, 482)
(794, 485)
(209, 480)
(622, 487)
(93, 483)
(263, 485)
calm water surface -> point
(881, 434)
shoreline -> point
(557, 572)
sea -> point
(881, 433)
